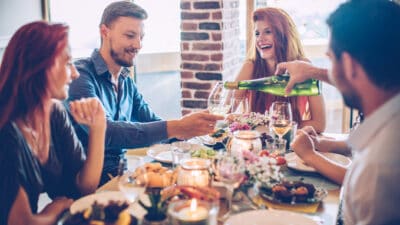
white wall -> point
(14, 14)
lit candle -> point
(193, 215)
(194, 172)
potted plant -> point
(157, 209)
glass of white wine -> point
(280, 118)
(219, 102)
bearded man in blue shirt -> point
(105, 75)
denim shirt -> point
(130, 121)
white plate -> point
(162, 152)
(101, 197)
(262, 217)
(294, 162)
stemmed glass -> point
(219, 100)
(281, 118)
(230, 169)
(239, 105)
(133, 183)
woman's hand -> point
(88, 111)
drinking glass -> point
(280, 118)
(133, 183)
(230, 169)
(239, 105)
(219, 100)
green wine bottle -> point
(276, 85)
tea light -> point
(245, 140)
(193, 212)
(194, 172)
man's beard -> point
(350, 97)
(119, 60)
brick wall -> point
(209, 48)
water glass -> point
(133, 183)
(133, 161)
(180, 150)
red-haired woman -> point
(277, 40)
(39, 151)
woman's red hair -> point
(29, 54)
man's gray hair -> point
(122, 9)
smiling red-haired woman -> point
(276, 40)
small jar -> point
(194, 172)
(245, 140)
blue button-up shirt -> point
(130, 121)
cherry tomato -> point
(280, 160)
(264, 153)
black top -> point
(20, 168)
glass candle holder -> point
(245, 140)
(192, 212)
(194, 172)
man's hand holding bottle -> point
(301, 71)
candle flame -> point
(193, 205)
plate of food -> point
(295, 162)
(99, 208)
(163, 152)
(293, 193)
(215, 140)
(276, 217)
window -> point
(83, 17)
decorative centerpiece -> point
(249, 121)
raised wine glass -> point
(280, 118)
(230, 169)
(219, 100)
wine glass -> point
(230, 169)
(218, 101)
(133, 183)
(239, 105)
(280, 118)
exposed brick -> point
(208, 76)
(201, 94)
(212, 67)
(197, 86)
(186, 75)
(185, 5)
(216, 36)
(194, 57)
(189, 26)
(186, 94)
(207, 46)
(192, 66)
(194, 104)
(217, 57)
(217, 15)
(190, 36)
(209, 26)
(185, 46)
(206, 5)
(194, 16)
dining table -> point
(325, 212)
